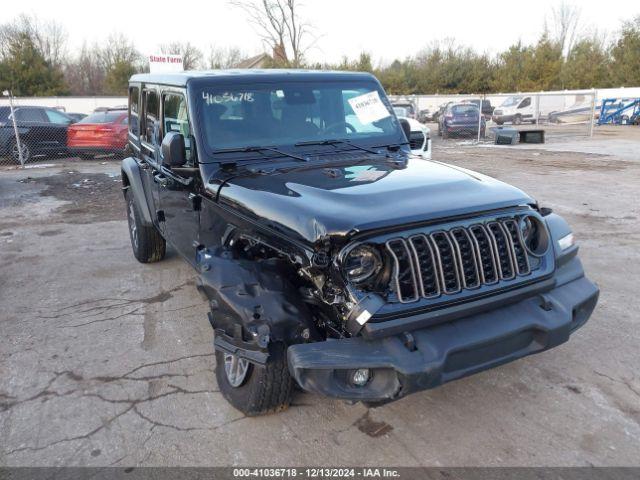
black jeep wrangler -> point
(329, 256)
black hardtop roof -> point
(181, 79)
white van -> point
(522, 108)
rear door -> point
(58, 124)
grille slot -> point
(502, 247)
(446, 262)
(519, 253)
(486, 254)
(449, 275)
(466, 258)
(404, 274)
(427, 265)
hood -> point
(312, 203)
(415, 125)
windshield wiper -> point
(334, 141)
(259, 149)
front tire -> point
(517, 120)
(26, 151)
(147, 243)
(259, 389)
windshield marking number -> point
(227, 97)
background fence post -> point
(479, 117)
(593, 112)
(15, 128)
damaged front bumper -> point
(425, 358)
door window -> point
(57, 117)
(176, 119)
(29, 115)
(134, 109)
(525, 103)
(151, 114)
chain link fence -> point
(473, 118)
(35, 130)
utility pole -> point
(7, 93)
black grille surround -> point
(454, 261)
(416, 140)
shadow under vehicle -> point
(329, 255)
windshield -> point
(400, 111)
(511, 101)
(289, 113)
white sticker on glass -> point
(369, 107)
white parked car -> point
(420, 139)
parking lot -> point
(105, 361)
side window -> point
(176, 119)
(134, 109)
(151, 114)
(525, 103)
(57, 117)
(29, 115)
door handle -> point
(160, 180)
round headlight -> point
(362, 263)
(534, 235)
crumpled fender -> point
(132, 179)
(252, 304)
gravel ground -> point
(105, 361)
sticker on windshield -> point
(369, 107)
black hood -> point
(314, 202)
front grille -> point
(446, 262)
(416, 140)
(497, 112)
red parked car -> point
(99, 133)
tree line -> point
(35, 61)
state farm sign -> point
(159, 63)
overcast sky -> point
(387, 29)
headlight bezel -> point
(371, 273)
(535, 235)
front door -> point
(179, 201)
(148, 157)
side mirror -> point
(173, 151)
(406, 127)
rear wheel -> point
(147, 243)
(255, 389)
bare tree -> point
(85, 75)
(280, 27)
(191, 55)
(220, 57)
(119, 49)
(566, 21)
(49, 37)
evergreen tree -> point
(24, 70)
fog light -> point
(360, 377)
